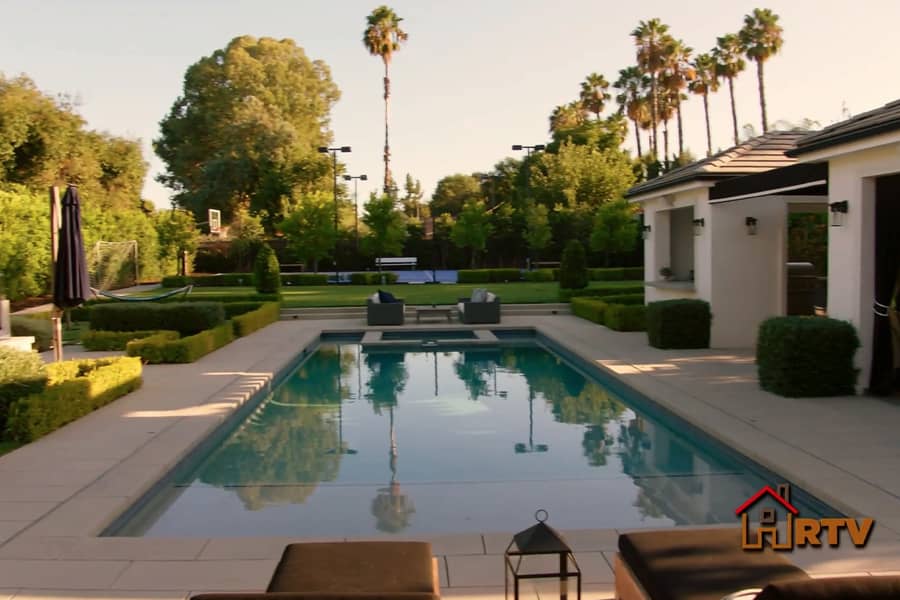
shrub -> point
(74, 389)
(373, 278)
(160, 349)
(539, 275)
(233, 309)
(678, 323)
(21, 374)
(504, 275)
(223, 280)
(599, 291)
(610, 274)
(187, 318)
(115, 340)
(628, 299)
(305, 279)
(266, 271)
(176, 281)
(473, 276)
(573, 273)
(226, 298)
(590, 309)
(249, 322)
(633, 273)
(807, 356)
(625, 317)
(41, 329)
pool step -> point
(356, 312)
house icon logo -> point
(797, 531)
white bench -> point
(401, 261)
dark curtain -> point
(887, 264)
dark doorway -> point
(885, 359)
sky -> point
(475, 76)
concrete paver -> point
(100, 594)
(10, 528)
(176, 575)
(60, 574)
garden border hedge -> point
(599, 291)
(682, 323)
(158, 349)
(117, 340)
(188, 318)
(253, 320)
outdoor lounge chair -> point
(385, 313)
(709, 564)
(349, 570)
(479, 312)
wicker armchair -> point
(479, 312)
(385, 313)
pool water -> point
(405, 440)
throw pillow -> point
(375, 299)
(479, 294)
(386, 297)
(490, 297)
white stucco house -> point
(721, 226)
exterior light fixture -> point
(838, 212)
(751, 225)
(645, 232)
(528, 149)
(698, 226)
(540, 540)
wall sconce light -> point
(838, 212)
(698, 226)
(751, 225)
(645, 232)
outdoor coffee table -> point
(433, 311)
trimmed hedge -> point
(249, 322)
(74, 389)
(600, 291)
(488, 275)
(628, 299)
(681, 323)
(177, 281)
(266, 271)
(626, 317)
(39, 327)
(304, 279)
(21, 374)
(617, 274)
(241, 280)
(573, 271)
(590, 309)
(187, 318)
(373, 278)
(807, 356)
(233, 309)
(163, 349)
(116, 340)
(539, 275)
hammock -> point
(185, 290)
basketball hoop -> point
(214, 218)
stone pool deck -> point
(59, 492)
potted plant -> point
(666, 273)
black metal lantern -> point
(540, 539)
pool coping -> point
(88, 493)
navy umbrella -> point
(71, 284)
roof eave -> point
(846, 138)
(674, 187)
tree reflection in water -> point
(391, 508)
(287, 439)
(473, 367)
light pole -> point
(356, 179)
(528, 150)
(334, 151)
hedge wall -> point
(599, 291)
(187, 318)
(807, 356)
(161, 349)
(373, 278)
(618, 317)
(21, 374)
(247, 323)
(679, 323)
(74, 389)
(488, 275)
(617, 274)
(116, 340)
(295, 279)
(38, 327)
(541, 275)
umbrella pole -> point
(57, 335)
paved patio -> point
(58, 493)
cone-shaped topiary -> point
(267, 271)
(573, 272)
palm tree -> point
(594, 95)
(567, 116)
(665, 111)
(651, 38)
(632, 99)
(382, 38)
(676, 75)
(729, 63)
(761, 38)
(706, 80)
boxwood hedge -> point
(163, 349)
(682, 323)
(187, 318)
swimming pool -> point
(407, 440)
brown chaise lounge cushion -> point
(845, 588)
(700, 564)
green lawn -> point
(355, 295)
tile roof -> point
(873, 122)
(763, 153)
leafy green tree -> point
(247, 234)
(615, 229)
(573, 274)
(472, 229)
(247, 127)
(537, 233)
(412, 200)
(387, 227)
(309, 229)
(382, 37)
(443, 230)
(24, 242)
(452, 192)
(266, 271)
(579, 174)
(177, 232)
(761, 38)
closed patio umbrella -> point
(71, 284)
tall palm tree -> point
(761, 38)
(650, 38)
(594, 94)
(567, 116)
(665, 111)
(729, 63)
(382, 37)
(632, 99)
(677, 73)
(706, 80)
